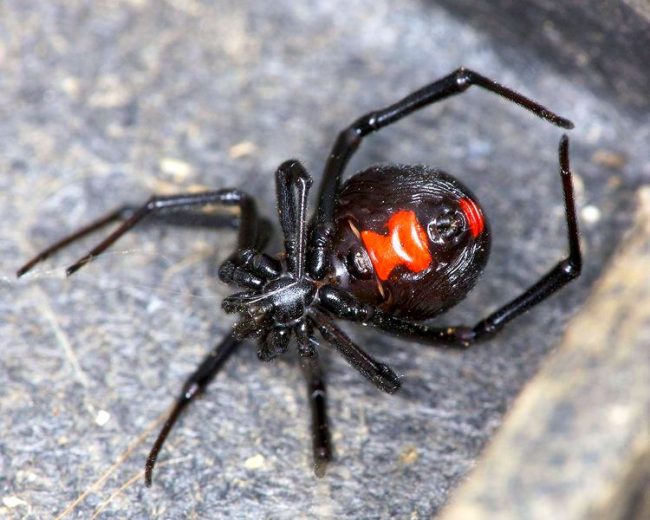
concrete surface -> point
(105, 102)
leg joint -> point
(571, 267)
(464, 78)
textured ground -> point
(105, 102)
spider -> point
(393, 246)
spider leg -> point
(194, 385)
(350, 139)
(119, 214)
(292, 183)
(250, 269)
(380, 374)
(317, 395)
(177, 218)
(249, 223)
(345, 306)
(232, 274)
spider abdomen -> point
(411, 239)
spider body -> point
(391, 247)
(443, 247)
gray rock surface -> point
(576, 443)
(105, 102)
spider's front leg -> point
(349, 140)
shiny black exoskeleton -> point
(391, 247)
(365, 203)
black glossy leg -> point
(248, 268)
(344, 305)
(232, 274)
(380, 374)
(316, 393)
(292, 184)
(194, 386)
(349, 140)
(120, 214)
(249, 224)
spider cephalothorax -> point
(393, 246)
(273, 314)
(278, 294)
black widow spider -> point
(393, 246)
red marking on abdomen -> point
(405, 244)
(474, 216)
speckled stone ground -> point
(105, 102)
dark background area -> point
(106, 102)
